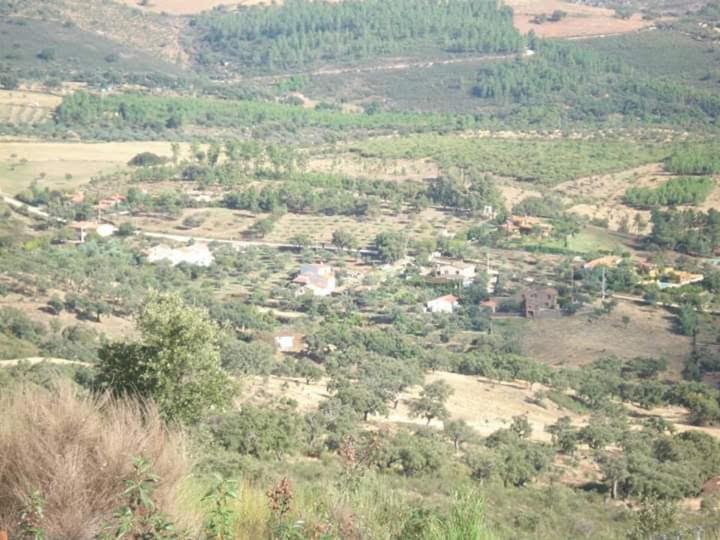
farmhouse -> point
(539, 302)
(669, 278)
(444, 304)
(110, 202)
(195, 254)
(526, 225)
(454, 271)
(83, 228)
(318, 279)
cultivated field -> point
(224, 224)
(20, 107)
(581, 21)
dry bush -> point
(77, 450)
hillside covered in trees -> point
(300, 33)
(359, 270)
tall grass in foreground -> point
(466, 521)
(75, 452)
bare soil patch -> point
(601, 196)
(576, 341)
(581, 21)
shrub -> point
(76, 452)
(147, 159)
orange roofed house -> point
(444, 304)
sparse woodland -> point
(394, 155)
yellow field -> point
(22, 107)
(50, 163)
(486, 405)
(581, 21)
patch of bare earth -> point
(484, 404)
(601, 196)
(580, 21)
(577, 340)
(678, 416)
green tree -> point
(431, 403)
(344, 239)
(391, 246)
(458, 431)
(564, 435)
(176, 363)
(688, 320)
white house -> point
(289, 342)
(444, 304)
(195, 254)
(318, 279)
(83, 228)
(454, 270)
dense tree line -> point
(299, 33)
(553, 69)
(687, 231)
(674, 192)
(594, 86)
(695, 159)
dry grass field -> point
(581, 21)
(577, 341)
(484, 404)
(113, 327)
(65, 166)
(601, 197)
(22, 107)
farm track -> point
(238, 244)
(40, 360)
(397, 66)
